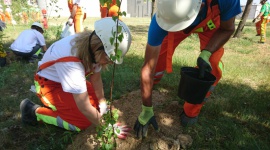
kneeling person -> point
(29, 42)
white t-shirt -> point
(27, 40)
(71, 75)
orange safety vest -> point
(211, 22)
(63, 59)
(61, 115)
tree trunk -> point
(153, 8)
(243, 19)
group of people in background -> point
(31, 42)
(78, 12)
(6, 15)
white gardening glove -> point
(103, 108)
(120, 131)
(70, 21)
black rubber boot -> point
(187, 121)
(28, 112)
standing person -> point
(175, 20)
(109, 12)
(77, 14)
(29, 42)
(264, 13)
(70, 101)
(8, 15)
(2, 15)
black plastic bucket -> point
(192, 88)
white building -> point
(254, 11)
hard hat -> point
(176, 15)
(37, 24)
(105, 28)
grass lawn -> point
(237, 116)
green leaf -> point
(101, 2)
(118, 2)
(113, 58)
(118, 131)
(108, 146)
(120, 13)
(120, 37)
(115, 115)
(116, 45)
(114, 18)
(111, 40)
(119, 29)
(124, 13)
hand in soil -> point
(141, 130)
(121, 130)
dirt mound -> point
(169, 137)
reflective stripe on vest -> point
(58, 121)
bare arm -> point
(44, 48)
(96, 81)
(84, 105)
(147, 73)
(222, 35)
(73, 12)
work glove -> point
(145, 119)
(203, 63)
(121, 131)
(70, 21)
(103, 108)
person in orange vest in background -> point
(77, 14)
(44, 19)
(263, 17)
(24, 16)
(69, 100)
(109, 12)
(2, 15)
(175, 20)
(35, 13)
(8, 15)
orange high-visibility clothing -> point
(8, 17)
(24, 17)
(205, 30)
(258, 26)
(60, 107)
(79, 17)
(2, 17)
(113, 11)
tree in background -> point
(243, 19)
(153, 8)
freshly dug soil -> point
(169, 137)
